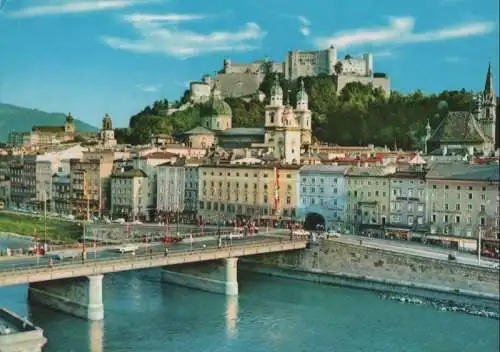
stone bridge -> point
(77, 288)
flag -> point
(276, 189)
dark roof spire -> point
(488, 85)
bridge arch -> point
(314, 221)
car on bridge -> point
(129, 248)
(63, 255)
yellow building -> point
(229, 191)
(368, 198)
(89, 183)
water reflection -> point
(232, 315)
(96, 336)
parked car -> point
(333, 234)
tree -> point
(338, 68)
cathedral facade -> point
(287, 129)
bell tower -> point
(487, 116)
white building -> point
(287, 129)
(322, 190)
(170, 187)
(130, 194)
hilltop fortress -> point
(242, 80)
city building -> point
(5, 201)
(130, 194)
(23, 182)
(466, 133)
(261, 191)
(368, 198)
(89, 185)
(463, 200)
(407, 198)
(191, 185)
(323, 190)
(170, 187)
(61, 193)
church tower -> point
(69, 124)
(487, 117)
(282, 132)
(303, 115)
(107, 132)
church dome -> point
(216, 107)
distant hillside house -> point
(44, 135)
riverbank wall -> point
(356, 266)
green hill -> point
(17, 119)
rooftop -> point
(199, 130)
(243, 131)
(464, 172)
(131, 173)
(323, 168)
(458, 126)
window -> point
(470, 195)
(457, 207)
(457, 219)
(446, 206)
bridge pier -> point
(79, 296)
(215, 276)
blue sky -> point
(93, 57)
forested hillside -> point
(359, 115)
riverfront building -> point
(463, 200)
(323, 191)
(130, 192)
(229, 191)
(407, 201)
(191, 185)
(368, 198)
(90, 183)
(170, 187)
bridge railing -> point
(124, 258)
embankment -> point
(356, 266)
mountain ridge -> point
(15, 118)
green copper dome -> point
(216, 107)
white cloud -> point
(79, 6)
(304, 21)
(305, 24)
(153, 88)
(172, 18)
(305, 31)
(156, 36)
(401, 30)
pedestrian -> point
(166, 251)
(151, 252)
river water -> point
(270, 314)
